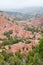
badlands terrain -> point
(29, 33)
(19, 39)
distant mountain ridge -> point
(26, 13)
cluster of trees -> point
(7, 34)
(33, 29)
(14, 41)
(11, 41)
(34, 57)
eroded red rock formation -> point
(6, 25)
(21, 47)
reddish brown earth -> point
(6, 25)
(22, 47)
(33, 22)
(37, 22)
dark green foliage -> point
(34, 57)
(7, 34)
(6, 55)
(11, 41)
(41, 47)
(19, 55)
(33, 29)
(6, 42)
